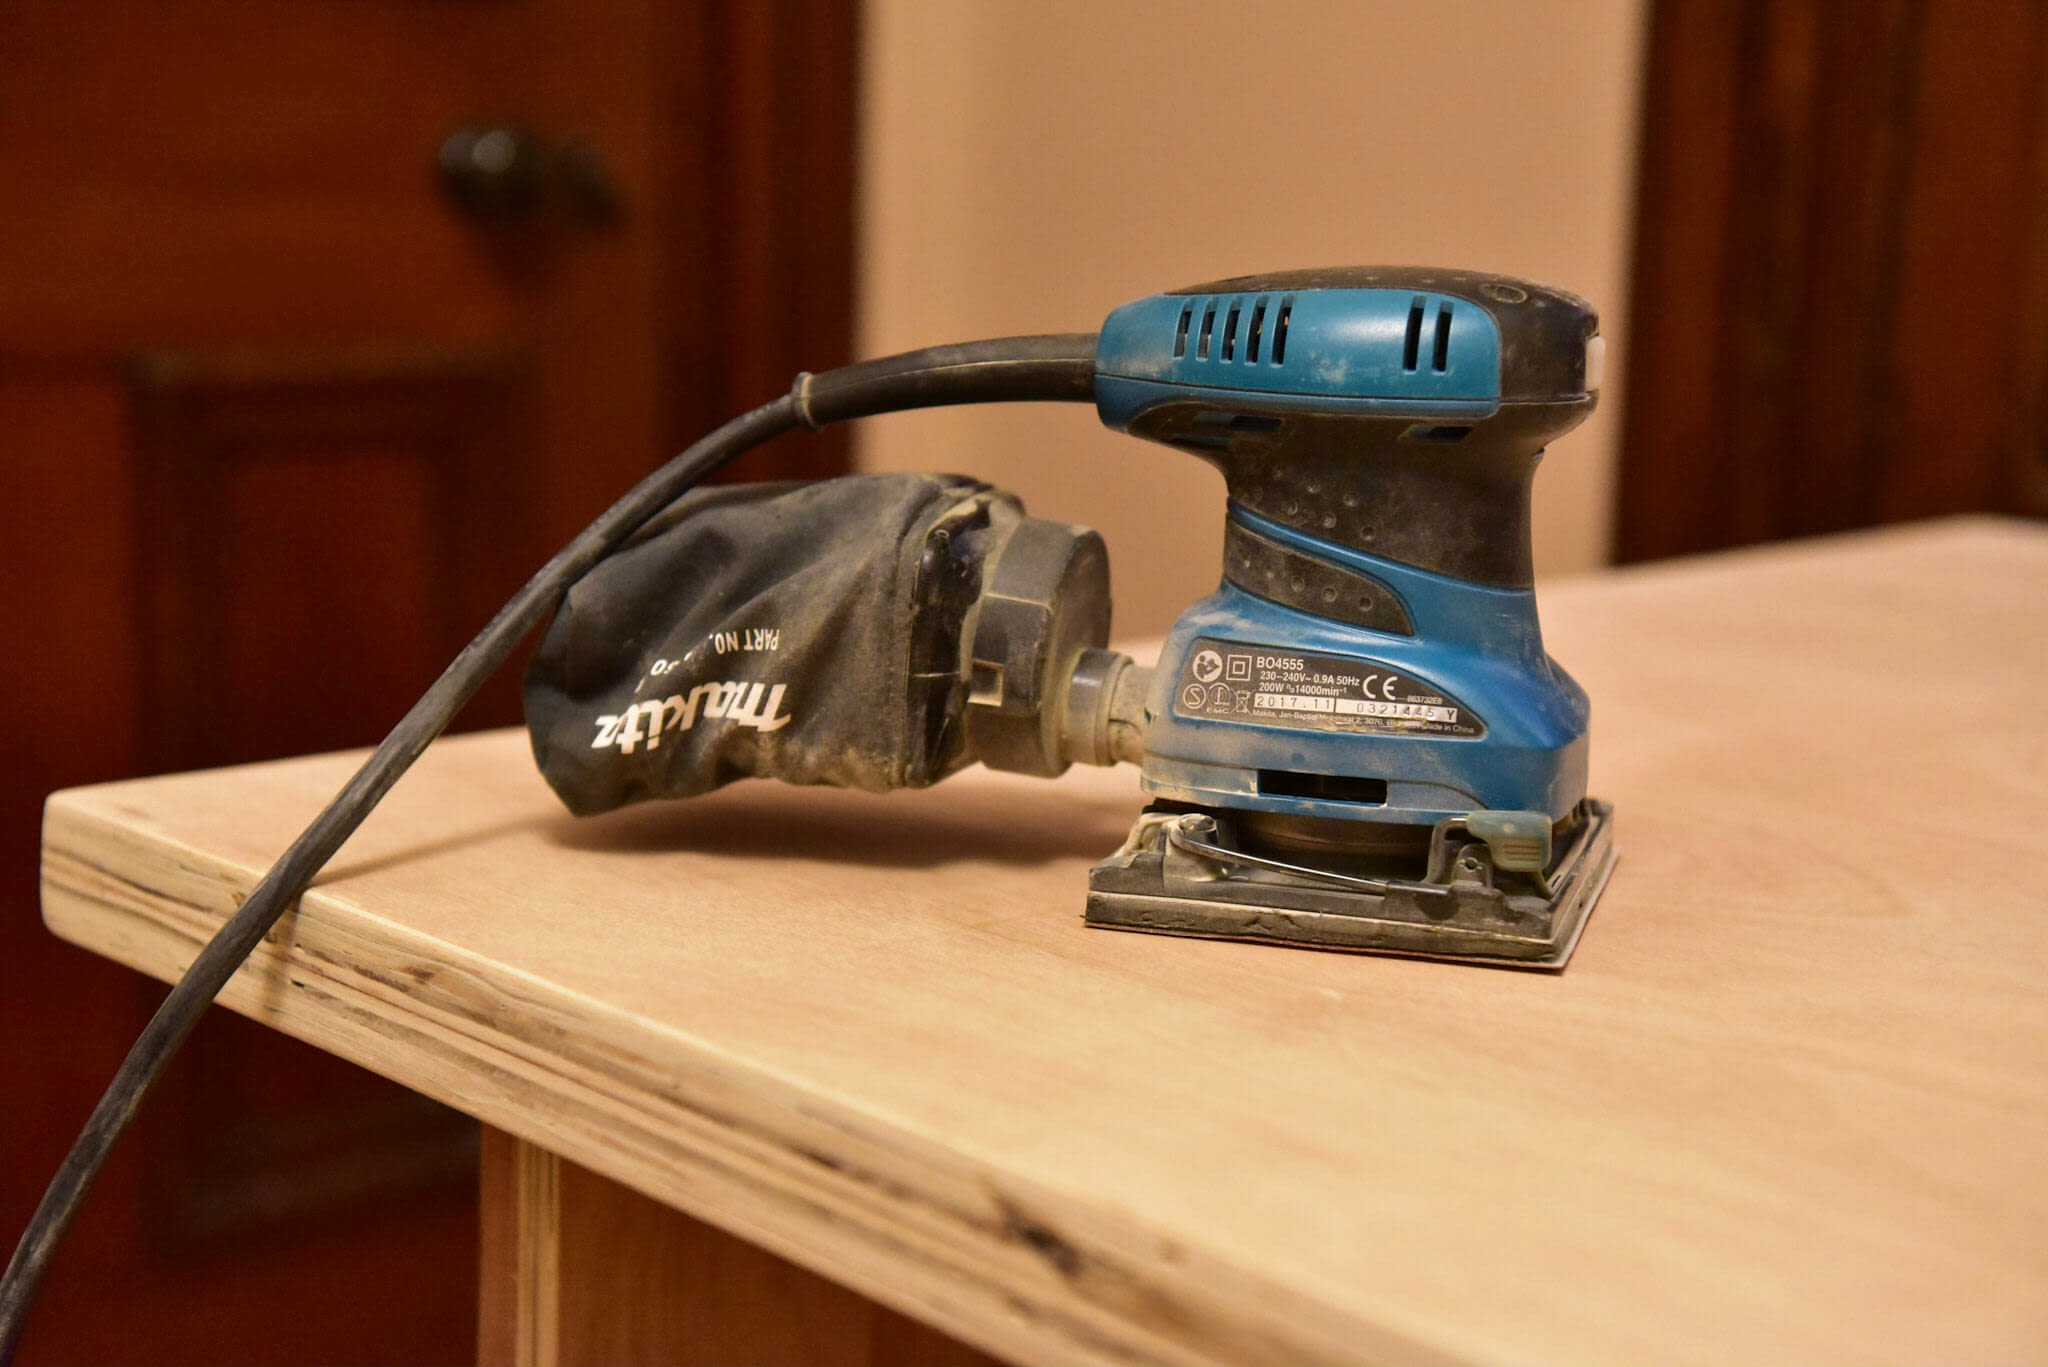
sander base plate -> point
(1151, 885)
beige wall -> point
(1030, 164)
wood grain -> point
(577, 1268)
(1788, 1102)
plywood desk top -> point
(1789, 1102)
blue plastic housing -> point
(1481, 645)
(1379, 350)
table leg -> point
(579, 1269)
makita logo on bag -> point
(742, 704)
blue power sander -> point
(1357, 741)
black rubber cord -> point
(1059, 368)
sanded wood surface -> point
(1789, 1101)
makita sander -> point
(1356, 742)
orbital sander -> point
(1356, 743)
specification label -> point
(1230, 681)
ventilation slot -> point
(1370, 792)
(1423, 431)
(1251, 346)
(1230, 332)
(1441, 361)
(1238, 422)
(1280, 330)
(1180, 334)
(1208, 326)
(1411, 350)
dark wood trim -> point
(760, 144)
(1837, 296)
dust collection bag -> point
(802, 632)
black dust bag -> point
(803, 632)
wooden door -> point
(287, 407)
(1840, 309)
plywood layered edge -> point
(1008, 1266)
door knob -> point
(502, 175)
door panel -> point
(281, 426)
(321, 527)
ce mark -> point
(1386, 689)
